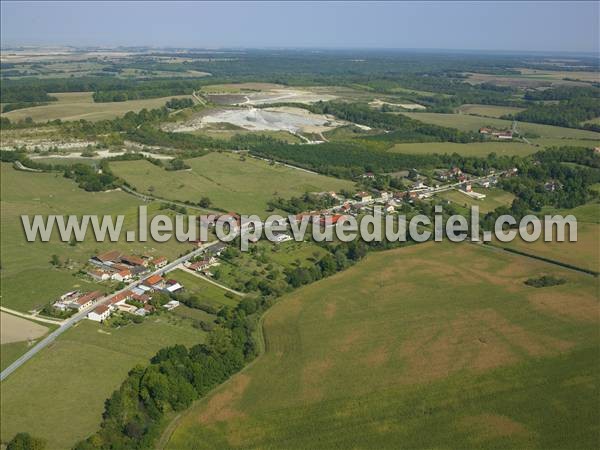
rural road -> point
(31, 316)
(83, 314)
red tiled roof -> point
(108, 256)
(134, 260)
(100, 309)
(153, 280)
(90, 296)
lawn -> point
(474, 149)
(243, 186)
(207, 292)
(80, 105)
(494, 198)
(59, 395)
(488, 110)
(422, 346)
(28, 279)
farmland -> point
(488, 110)
(467, 122)
(22, 261)
(60, 394)
(456, 349)
(243, 186)
(475, 149)
(80, 105)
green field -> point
(474, 149)
(467, 122)
(488, 110)
(227, 135)
(416, 348)
(205, 291)
(59, 395)
(10, 352)
(28, 279)
(494, 198)
(584, 253)
(231, 184)
(80, 105)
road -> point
(83, 314)
(31, 316)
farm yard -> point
(244, 186)
(74, 377)
(456, 348)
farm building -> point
(100, 313)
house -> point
(363, 197)
(504, 135)
(99, 274)
(143, 298)
(86, 300)
(71, 295)
(385, 195)
(122, 275)
(485, 130)
(484, 183)
(121, 298)
(108, 257)
(467, 187)
(100, 313)
(155, 282)
(134, 260)
(161, 261)
(199, 266)
(389, 208)
(419, 185)
(368, 175)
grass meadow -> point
(479, 149)
(494, 198)
(208, 293)
(230, 183)
(29, 281)
(80, 105)
(488, 110)
(417, 347)
(59, 395)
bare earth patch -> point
(221, 408)
(579, 308)
(17, 329)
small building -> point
(108, 257)
(161, 261)
(199, 266)
(389, 208)
(121, 298)
(281, 237)
(171, 305)
(363, 197)
(86, 300)
(100, 313)
(122, 275)
(99, 274)
(154, 282)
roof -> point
(108, 256)
(121, 296)
(89, 297)
(160, 259)
(125, 272)
(135, 260)
(153, 279)
(101, 309)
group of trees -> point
(306, 202)
(566, 113)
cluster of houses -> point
(113, 265)
(498, 134)
(137, 299)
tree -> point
(205, 202)
(55, 260)
(23, 441)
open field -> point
(208, 293)
(231, 184)
(488, 110)
(474, 149)
(18, 329)
(59, 395)
(80, 105)
(424, 345)
(28, 279)
(584, 253)
(494, 198)
(9, 353)
(534, 78)
(467, 122)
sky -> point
(554, 26)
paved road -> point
(83, 314)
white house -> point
(100, 313)
(281, 237)
(363, 197)
(122, 275)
